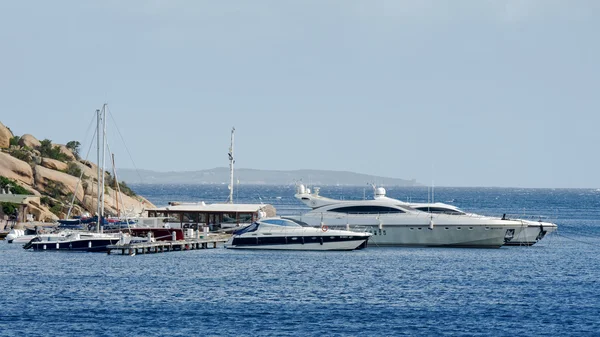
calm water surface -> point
(548, 289)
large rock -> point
(88, 168)
(115, 203)
(29, 141)
(5, 136)
(66, 151)
(40, 213)
(15, 169)
(54, 164)
(50, 182)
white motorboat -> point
(290, 234)
(20, 235)
(395, 223)
(73, 241)
(531, 231)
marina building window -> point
(229, 218)
(245, 217)
(190, 217)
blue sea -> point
(549, 289)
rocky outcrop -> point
(29, 141)
(54, 164)
(52, 182)
(65, 151)
(89, 169)
(5, 136)
(53, 188)
(40, 213)
(15, 169)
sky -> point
(450, 93)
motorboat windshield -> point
(282, 222)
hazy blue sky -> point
(464, 93)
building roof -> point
(15, 198)
(203, 207)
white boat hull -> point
(348, 245)
(452, 236)
(426, 231)
(285, 234)
(532, 233)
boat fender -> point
(431, 224)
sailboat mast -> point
(117, 190)
(231, 162)
(98, 123)
(103, 153)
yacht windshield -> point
(441, 210)
(281, 222)
(298, 222)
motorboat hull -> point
(21, 239)
(87, 242)
(96, 245)
(320, 243)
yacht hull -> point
(422, 231)
(534, 232)
(442, 236)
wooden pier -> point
(166, 246)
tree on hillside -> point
(74, 147)
(49, 151)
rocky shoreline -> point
(51, 183)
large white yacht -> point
(531, 232)
(396, 223)
(289, 234)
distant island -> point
(220, 175)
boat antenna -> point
(231, 162)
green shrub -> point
(73, 169)
(9, 208)
(13, 186)
(52, 152)
(15, 140)
(45, 200)
(22, 154)
(56, 209)
(126, 189)
(54, 189)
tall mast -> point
(103, 153)
(117, 190)
(231, 162)
(98, 123)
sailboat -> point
(77, 240)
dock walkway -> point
(166, 246)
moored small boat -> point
(289, 234)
